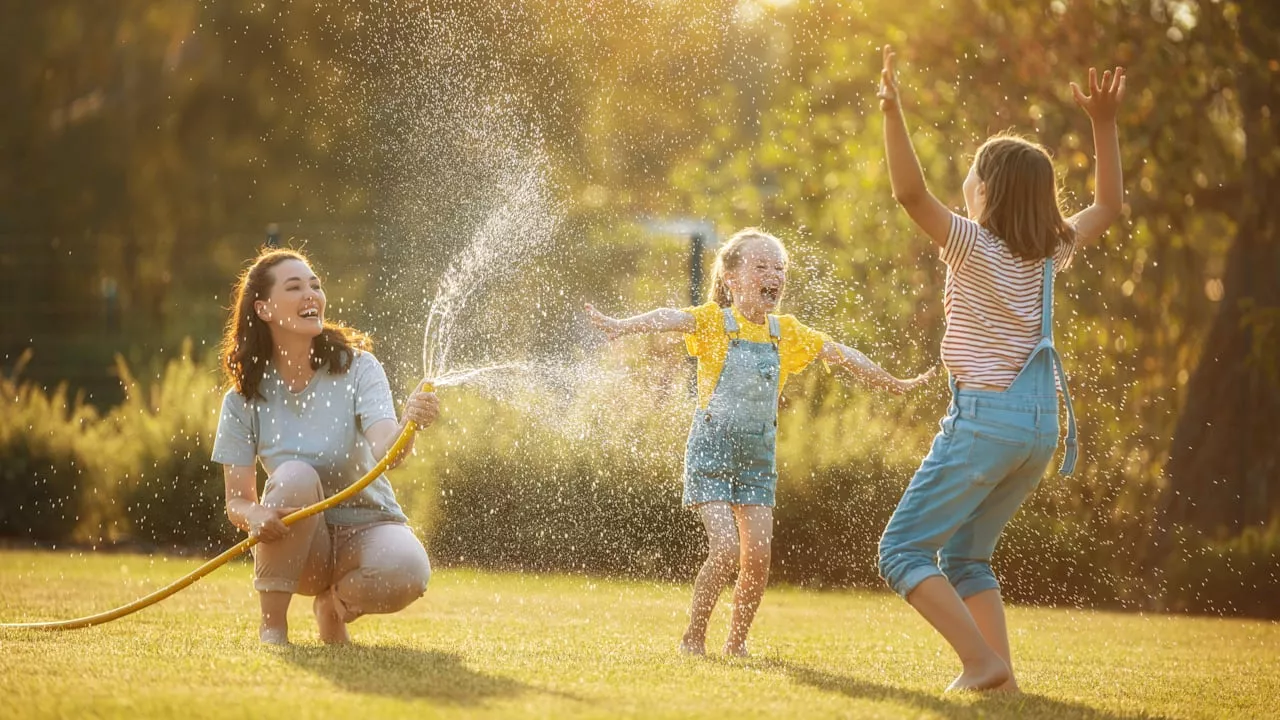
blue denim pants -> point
(988, 458)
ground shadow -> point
(405, 672)
(990, 705)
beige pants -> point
(376, 568)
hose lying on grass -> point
(235, 551)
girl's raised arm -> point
(1102, 104)
(904, 169)
(654, 321)
(867, 372)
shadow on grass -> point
(964, 707)
(404, 672)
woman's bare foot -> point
(273, 635)
(333, 629)
(990, 675)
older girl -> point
(745, 354)
(1001, 430)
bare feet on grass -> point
(692, 646)
(990, 674)
(1010, 687)
(736, 651)
(333, 629)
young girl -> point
(1001, 430)
(744, 354)
(312, 404)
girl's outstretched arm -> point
(1102, 104)
(867, 372)
(654, 321)
(904, 169)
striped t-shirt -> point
(992, 304)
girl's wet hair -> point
(246, 341)
(1022, 205)
(729, 257)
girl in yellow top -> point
(745, 353)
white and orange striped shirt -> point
(992, 304)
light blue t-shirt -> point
(323, 426)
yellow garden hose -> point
(237, 550)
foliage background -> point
(157, 139)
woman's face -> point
(295, 304)
(975, 193)
(757, 284)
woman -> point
(313, 405)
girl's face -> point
(756, 285)
(296, 303)
(975, 193)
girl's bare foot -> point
(333, 629)
(736, 651)
(696, 648)
(272, 635)
(1010, 687)
(990, 675)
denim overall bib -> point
(988, 458)
(729, 456)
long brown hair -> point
(1022, 197)
(729, 257)
(246, 341)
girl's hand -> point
(265, 522)
(888, 92)
(906, 386)
(1103, 101)
(611, 327)
(422, 408)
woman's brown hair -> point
(1022, 205)
(246, 341)
(729, 257)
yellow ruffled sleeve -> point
(799, 344)
(708, 325)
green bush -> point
(1232, 576)
(161, 439)
(592, 485)
(43, 479)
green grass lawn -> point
(484, 644)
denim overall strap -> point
(775, 329)
(730, 322)
(1046, 342)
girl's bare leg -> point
(987, 609)
(938, 602)
(721, 562)
(755, 531)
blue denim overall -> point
(987, 459)
(730, 453)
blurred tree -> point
(1224, 462)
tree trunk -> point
(1224, 464)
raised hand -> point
(611, 327)
(888, 92)
(1103, 101)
